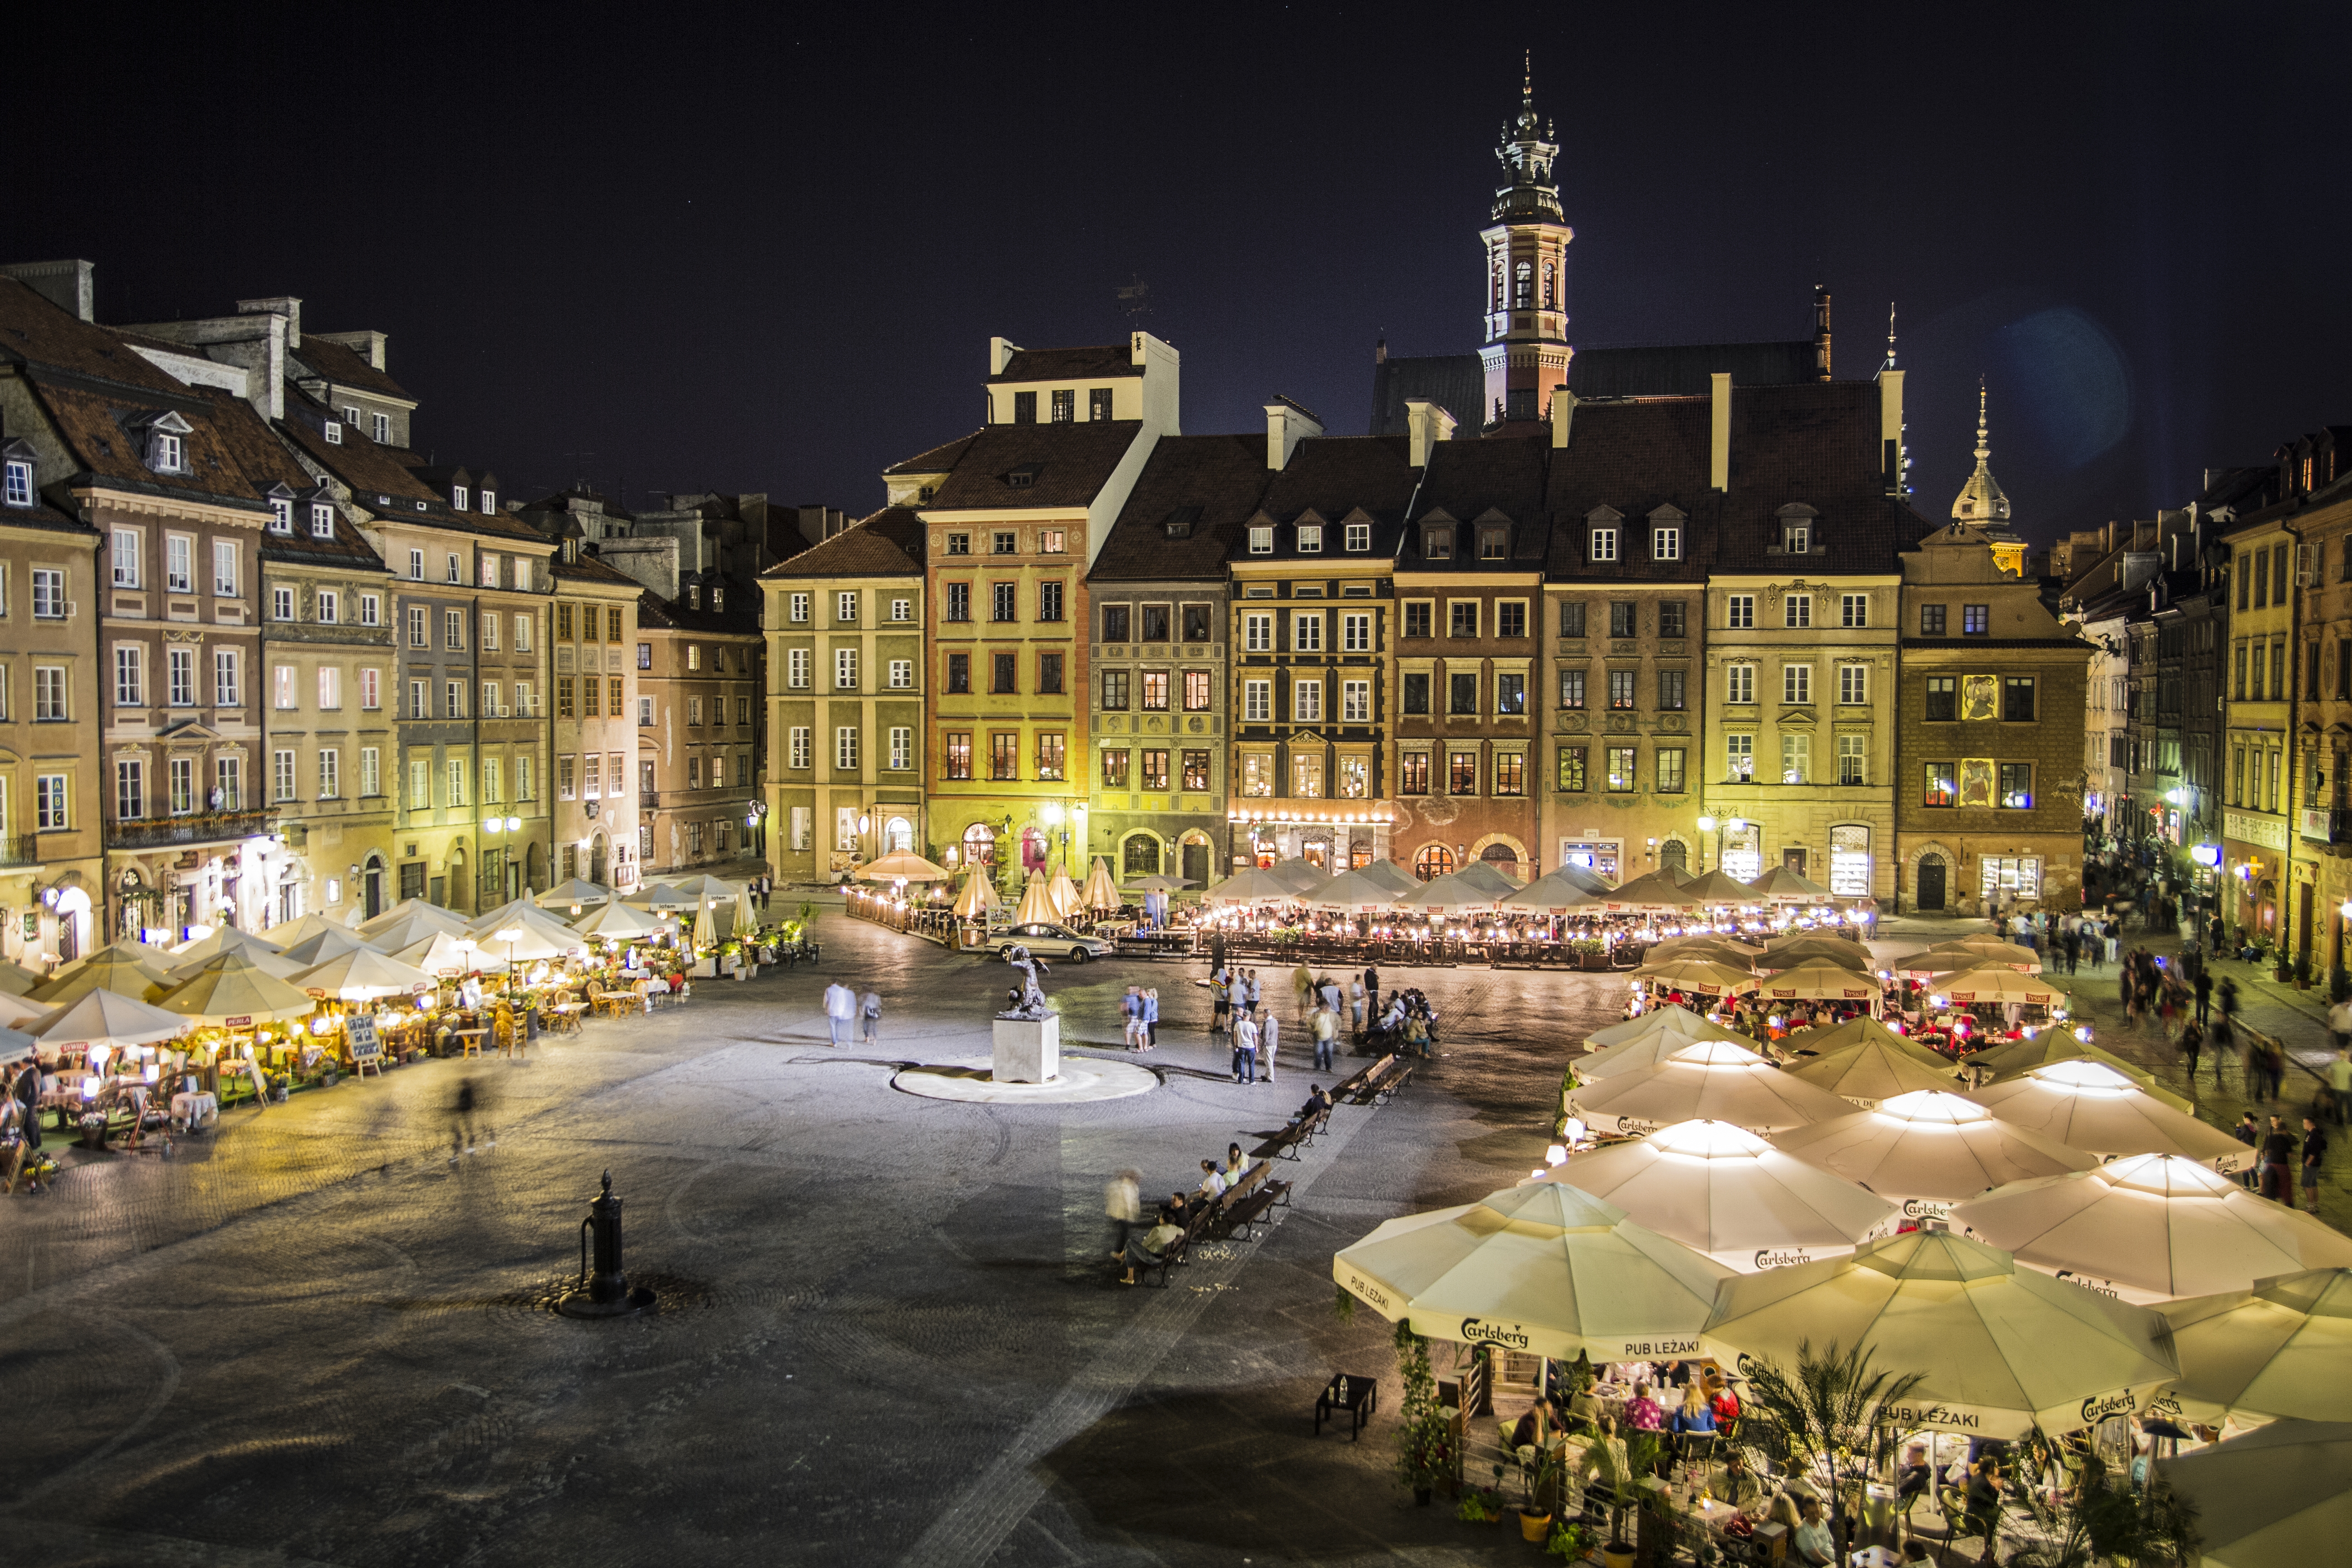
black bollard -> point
(605, 1293)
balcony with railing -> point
(20, 849)
(195, 828)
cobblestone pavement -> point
(893, 1334)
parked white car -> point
(1048, 942)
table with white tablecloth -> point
(194, 1109)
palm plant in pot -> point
(1831, 1410)
(1540, 1482)
(1424, 1441)
(1623, 1464)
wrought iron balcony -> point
(196, 827)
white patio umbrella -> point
(662, 896)
(2281, 1350)
(701, 884)
(417, 910)
(2004, 1349)
(1155, 882)
(302, 927)
(618, 920)
(1456, 893)
(1037, 907)
(1297, 875)
(1252, 885)
(231, 991)
(1100, 891)
(321, 946)
(2092, 1106)
(1657, 891)
(191, 959)
(1711, 1080)
(1820, 982)
(107, 1018)
(976, 897)
(1729, 1194)
(1996, 982)
(577, 890)
(1950, 957)
(2015, 1059)
(1929, 1149)
(15, 1011)
(1396, 876)
(1717, 892)
(1782, 886)
(1869, 1072)
(531, 940)
(2279, 1495)
(1662, 1031)
(1811, 947)
(2152, 1228)
(1714, 948)
(15, 980)
(1356, 892)
(1064, 892)
(903, 866)
(1544, 1269)
(128, 967)
(1705, 975)
(1556, 892)
(362, 974)
(443, 953)
(1865, 1031)
(16, 1046)
(1488, 878)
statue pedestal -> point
(1028, 1050)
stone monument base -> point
(1028, 1050)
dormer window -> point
(1797, 538)
(694, 595)
(352, 416)
(322, 520)
(490, 504)
(456, 498)
(1665, 543)
(1360, 536)
(1437, 543)
(17, 457)
(1310, 538)
(281, 514)
(718, 596)
(1179, 523)
(333, 430)
(167, 446)
(382, 425)
(1025, 477)
(570, 552)
(1603, 544)
(1261, 540)
(1494, 543)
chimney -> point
(284, 305)
(369, 346)
(1380, 351)
(1718, 459)
(1286, 425)
(1000, 354)
(1563, 414)
(1820, 332)
(1890, 428)
(67, 285)
(1425, 424)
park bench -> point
(1353, 1086)
(1245, 1202)
(1286, 1144)
(1352, 1397)
(1166, 1260)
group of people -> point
(1139, 1012)
(1237, 1012)
(845, 1009)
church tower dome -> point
(1983, 505)
(1525, 354)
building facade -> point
(846, 686)
(2318, 468)
(700, 709)
(2261, 893)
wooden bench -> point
(1387, 1088)
(1286, 1144)
(1353, 1088)
(1350, 1396)
(1166, 1260)
(1248, 1201)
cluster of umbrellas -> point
(1385, 888)
(1044, 900)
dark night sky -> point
(682, 251)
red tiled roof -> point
(345, 368)
(98, 427)
(937, 460)
(1064, 466)
(34, 332)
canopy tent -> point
(662, 896)
(231, 991)
(1704, 976)
(1820, 983)
(1297, 875)
(1674, 1029)
(1781, 885)
(1251, 884)
(1658, 891)
(1455, 893)
(2003, 1349)
(442, 953)
(577, 892)
(1100, 893)
(1037, 907)
(1064, 893)
(362, 974)
(1996, 982)
(1356, 892)
(2092, 1106)
(2015, 1059)
(1711, 1080)
(1543, 1269)
(1716, 891)
(16, 1046)
(224, 939)
(15, 980)
(18, 1010)
(507, 914)
(1487, 878)
(2279, 1351)
(1929, 1149)
(617, 921)
(321, 946)
(413, 908)
(1394, 876)
(2152, 1228)
(1729, 1194)
(1869, 1073)
(302, 927)
(530, 939)
(1583, 877)
(193, 958)
(1155, 882)
(1675, 875)
(1860, 1031)
(2279, 1495)
(1715, 949)
(1556, 892)
(410, 930)
(128, 967)
(1950, 957)
(109, 1019)
(701, 884)
(976, 897)
(903, 866)
(1811, 948)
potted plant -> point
(1482, 1505)
(1830, 1411)
(1571, 1542)
(1621, 1484)
(1539, 1483)
(1424, 1441)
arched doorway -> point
(1139, 855)
(979, 846)
(2266, 907)
(534, 868)
(371, 886)
(459, 894)
(1434, 860)
(1501, 857)
(1932, 874)
(898, 837)
(1675, 855)
(73, 924)
(596, 857)
(1195, 854)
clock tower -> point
(1527, 351)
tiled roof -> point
(1456, 383)
(1210, 486)
(656, 614)
(1633, 457)
(373, 472)
(588, 569)
(1686, 370)
(1816, 444)
(891, 544)
(1063, 465)
(1336, 477)
(1095, 361)
(103, 429)
(266, 464)
(937, 460)
(565, 500)
(1467, 480)
(345, 368)
(33, 331)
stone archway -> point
(1915, 861)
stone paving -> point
(894, 1336)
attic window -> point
(718, 596)
(167, 446)
(1437, 543)
(694, 595)
(1797, 537)
(1494, 543)
(1179, 523)
(382, 426)
(570, 552)
(1262, 540)
(1025, 477)
(282, 515)
(456, 498)
(1360, 536)
(334, 432)
(352, 416)
(489, 503)
(20, 481)
(1310, 538)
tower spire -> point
(1984, 441)
(1527, 351)
(1527, 90)
(1890, 336)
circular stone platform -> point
(1082, 1078)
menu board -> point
(360, 1030)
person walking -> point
(1130, 1013)
(2204, 992)
(461, 1121)
(2193, 1043)
(2275, 1068)
(2224, 1040)
(2115, 941)
(1302, 990)
(2278, 1157)
(1150, 1017)
(840, 1007)
(869, 1014)
(1123, 1206)
(2315, 1151)
(1356, 1005)
(1246, 1049)
(2339, 1079)
(1327, 1029)
(2247, 1132)
(1269, 1033)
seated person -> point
(1212, 1182)
(1605, 1457)
(1723, 1401)
(1641, 1412)
(1810, 1542)
(1316, 1103)
(1985, 1491)
(1176, 1209)
(1914, 1478)
(1784, 1511)
(1693, 1417)
(1733, 1482)
(1152, 1246)
(1527, 1432)
(1236, 1166)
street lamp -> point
(511, 936)
(1705, 827)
